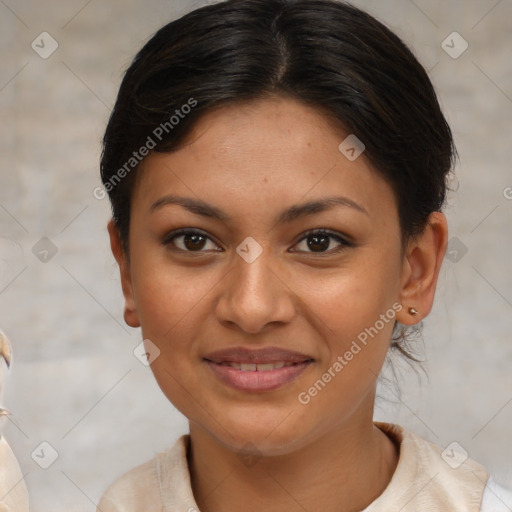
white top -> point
(422, 482)
(496, 498)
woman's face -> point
(254, 278)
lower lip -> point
(256, 381)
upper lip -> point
(256, 356)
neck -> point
(343, 470)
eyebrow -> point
(292, 213)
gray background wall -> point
(75, 382)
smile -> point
(252, 367)
(257, 378)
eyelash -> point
(319, 232)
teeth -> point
(265, 367)
(252, 367)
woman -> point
(277, 171)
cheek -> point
(170, 302)
(356, 326)
(354, 314)
(353, 298)
(167, 296)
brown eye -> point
(319, 241)
(187, 240)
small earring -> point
(413, 311)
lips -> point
(253, 367)
(254, 357)
(257, 370)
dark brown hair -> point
(325, 53)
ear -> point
(130, 310)
(422, 263)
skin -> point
(252, 161)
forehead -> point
(260, 154)
(265, 130)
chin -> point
(258, 438)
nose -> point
(256, 293)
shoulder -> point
(496, 498)
(139, 489)
(428, 475)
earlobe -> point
(420, 271)
(130, 310)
